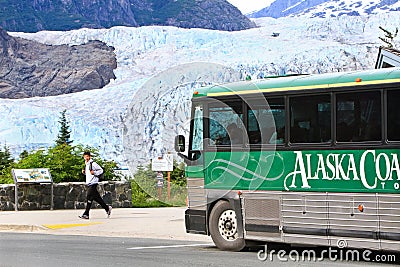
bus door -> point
(195, 215)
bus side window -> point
(253, 129)
(358, 117)
(310, 120)
(225, 124)
(393, 120)
(266, 121)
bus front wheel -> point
(224, 228)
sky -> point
(247, 6)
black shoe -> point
(84, 216)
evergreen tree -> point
(64, 133)
(389, 37)
(5, 158)
(23, 154)
(6, 164)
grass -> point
(141, 199)
(150, 203)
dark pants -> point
(93, 194)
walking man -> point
(92, 172)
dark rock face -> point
(29, 68)
(207, 14)
(37, 15)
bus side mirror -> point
(180, 143)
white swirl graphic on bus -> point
(230, 165)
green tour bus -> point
(306, 159)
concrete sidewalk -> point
(162, 223)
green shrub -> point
(145, 193)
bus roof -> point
(304, 82)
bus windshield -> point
(197, 135)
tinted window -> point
(310, 119)
(358, 117)
(393, 128)
(266, 122)
(225, 124)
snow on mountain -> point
(351, 8)
(326, 8)
(282, 8)
(98, 117)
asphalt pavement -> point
(130, 237)
(43, 250)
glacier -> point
(154, 115)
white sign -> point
(32, 175)
(164, 164)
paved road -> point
(18, 249)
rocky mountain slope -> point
(29, 68)
(36, 15)
(326, 8)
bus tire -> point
(223, 228)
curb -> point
(22, 227)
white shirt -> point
(92, 179)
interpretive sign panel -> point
(32, 176)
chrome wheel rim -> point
(227, 225)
